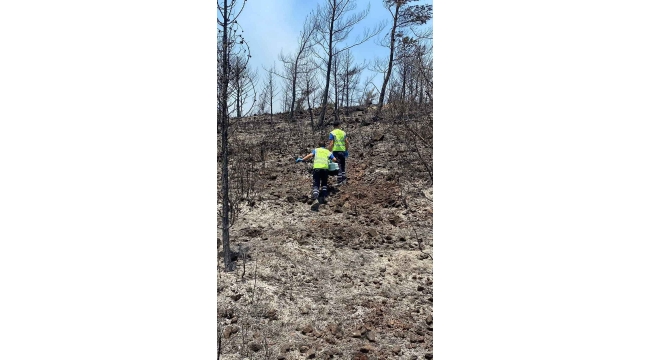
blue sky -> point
(274, 25)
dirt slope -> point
(349, 279)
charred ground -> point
(348, 279)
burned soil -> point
(350, 278)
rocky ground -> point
(349, 279)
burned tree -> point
(309, 86)
(269, 92)
(231, 45)
(294, 63)
(349, 75)
(333, 25)
(368, 93)
(335, 68)
(243, 83)
(403, 16)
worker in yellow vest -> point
(339, 145)
(322, 157)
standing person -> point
(339, 145)
(321, 156)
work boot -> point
(314, 194)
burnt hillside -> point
(347, 279)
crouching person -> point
(321, 157)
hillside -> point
(348, 279)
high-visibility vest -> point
(321, 159)
(339, 140)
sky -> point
(273, 25)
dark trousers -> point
(340, 158)
(320, 182)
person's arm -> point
(307, 157)
(330, 146)
(347, 144)
(332, 157)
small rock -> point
(304, 348)
(311, 353)
(373, 233)
(367, 348)
(227, 331)
(227, 313)
(371, 336)
(428, 356)
(285, 348)
(230, 330)
(396, 349)
(420, 287)
(429, 319)
(307, 329)
(356, 334)
(414, 357)
(416, 338)
(271, 314)
(365, 328)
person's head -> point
(336, 124)
(321, 143)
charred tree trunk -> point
(336, 89)
(293, 92)
(238, 86)
(404, 85)
(329, 70)
(391, 56)
(225, 200)
(311, 114)
(421, 89)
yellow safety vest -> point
(339, 140)
(321, 159)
